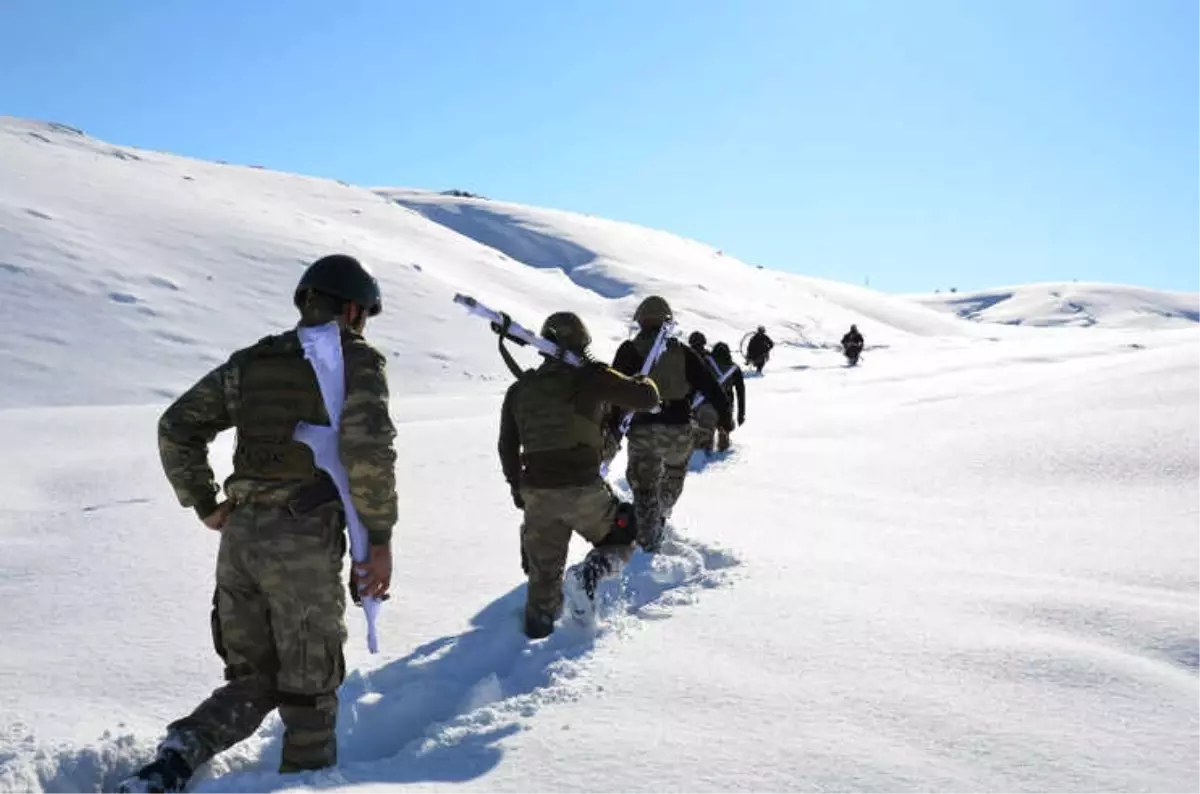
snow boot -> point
(167, 772)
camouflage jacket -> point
(210, 407)
(699, 379)
(596, 388)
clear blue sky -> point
(920, 143)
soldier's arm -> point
(509, 445)
(366, 443)
(186, 429)
(612, 387)
(702, 379)
(628, 360)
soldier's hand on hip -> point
(375, 575)
(216, 520)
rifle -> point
(323, 349)
(656, 351)
(503, 325)
(723, 376)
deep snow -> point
(970, 563)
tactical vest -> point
(670, 372)
(277, 388)
(550, 414)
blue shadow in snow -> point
(701, 461)
(517, 240)
(388, 727)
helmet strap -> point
(353, 316)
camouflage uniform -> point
(734, 387)
(551, 445)
(704, 425)
(278, 612)
(660, 444)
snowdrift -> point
(1072, 304)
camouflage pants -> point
(551, 515)
(279, 624)
(658, 461)
(704, 424)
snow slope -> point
(970, 563)
(164, 263)
(1072, 304)
(716, 292)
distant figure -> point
(852, 345)
(758, 350)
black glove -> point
(741, 420)
(502, 327)
(518, 502)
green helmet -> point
(653, 311)
(344, 277)
(566, 330)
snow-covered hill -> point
(162, 262)
(970, 563)
(1071, 304)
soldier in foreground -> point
(660, 444)
(278, 611)
(551, 445)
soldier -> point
(660, 444)
(704, 420)
(758, 351)
(852, 345)
(551, 444)
(734, 385)
(278, 611)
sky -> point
(911, 146)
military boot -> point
(167, 772)
(538, 625)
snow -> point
(1072, 304)
(970, 563)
